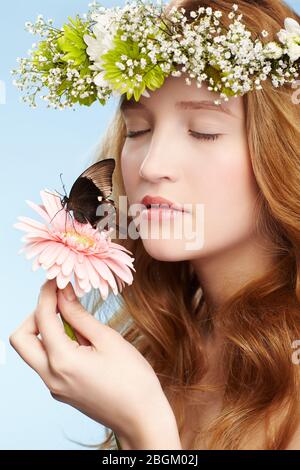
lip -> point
(155, 200)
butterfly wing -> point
(95, 181)
(101, 175)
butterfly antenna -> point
(52, 194)
(68, 213)
(66, 222)
(61, 195)
(56, 214)
(72, 219)
(63, 184)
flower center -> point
(296, 39)
(74, 238)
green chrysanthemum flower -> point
(129, 70)
(71, 43)
(63, 51)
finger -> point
(53, 335)
(25, 341)
(81, 339)
(82, 321)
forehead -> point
(191, 105)
(176, 95)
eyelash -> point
(197, 135)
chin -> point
(166, 250)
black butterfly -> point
(91, 190)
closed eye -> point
(197, 135)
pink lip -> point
(158, 200)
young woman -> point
(201, 353)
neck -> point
(223, 273)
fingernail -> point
(69, 293)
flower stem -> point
(68, 329)
(117, 442)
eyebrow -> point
(181, 105)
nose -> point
(160, 161)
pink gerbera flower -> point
(66, 248)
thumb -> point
(84, 324)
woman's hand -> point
(102, 374)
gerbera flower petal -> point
(122, 271)
(36, 235)
(119, 247)
(92, 273)
(33, 250)
(79, 270)
(36, 264)
(84, 283)
(121, 257)
(53, 271)
(62, 280)
(78, 291)
(57, 249)
(40, 210)
(103, 287)
(30, 224)
(51, 202)
(104, 272)
(48, 257)
(63, 256)
(68, 265)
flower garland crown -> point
(132, 49)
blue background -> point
(35, 146)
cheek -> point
(130, 174)
(228, 192)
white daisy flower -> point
(290, 36)
(273, 51)
(104, 31)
